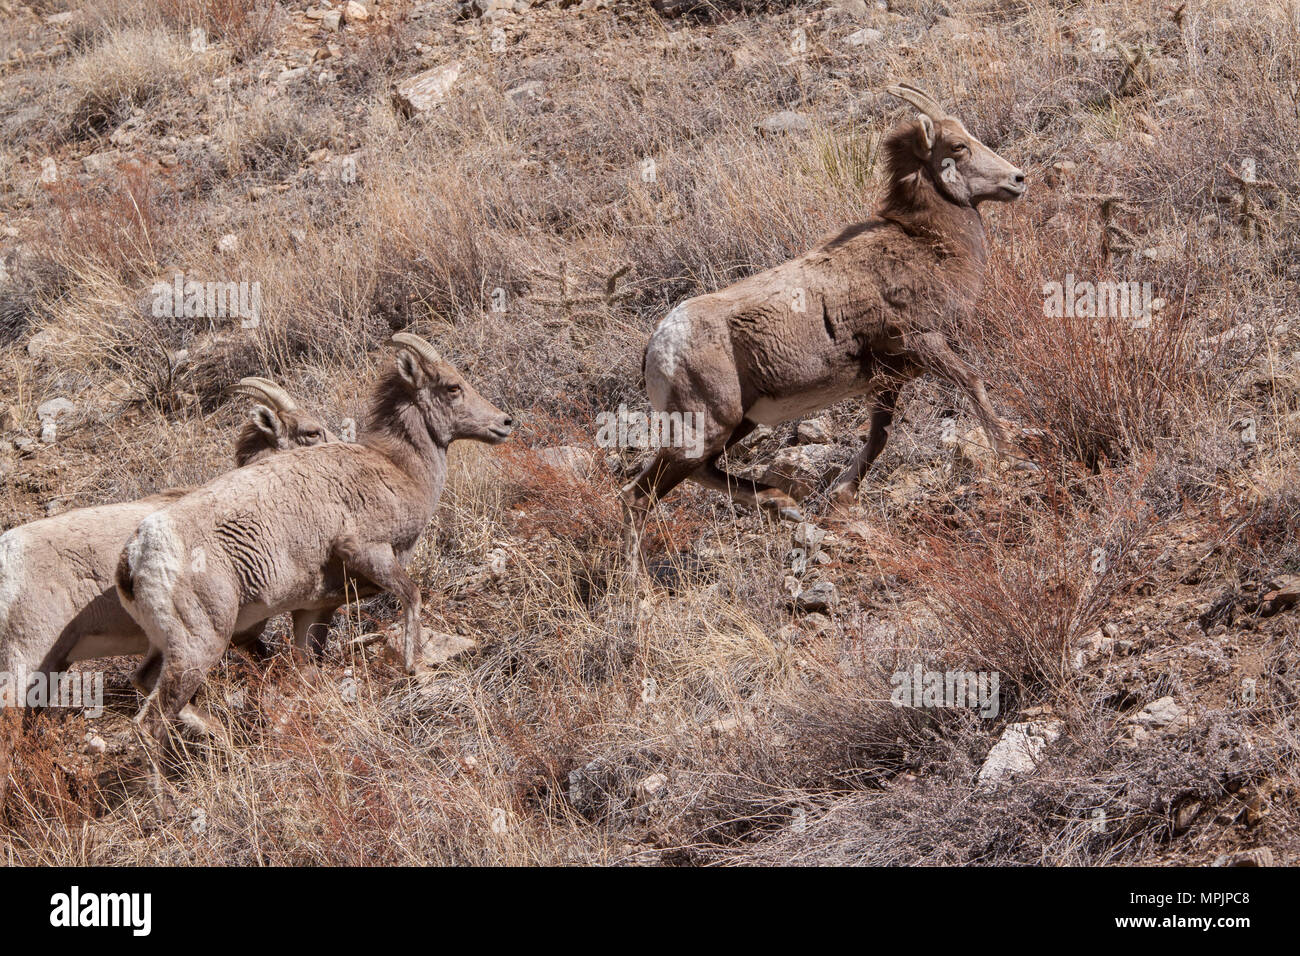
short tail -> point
(125, 577)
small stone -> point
(525, 92)
(864, 37)
(54, 408)
(651, 785)
(785, 122)
(1257, 856)
(822, 596)
(228, 244)
(354, 12)
(95, 744)
(1160, 713)
(798, 469)
(814, 431)
(808, 536)
(423, 92)
(98, 163)
(332, 20)
(1019, 750)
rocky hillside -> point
(192, 191)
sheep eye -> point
(453, 390)
(960, 148)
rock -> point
(1092, 647)
(588, 785)
(354, 12)
(228, 244)
(808, 536)
(426, 90)
(814, 431)
(98, 163)
(857, 9)
(95, 744)
(785, 122)
(975, 449)
(651, 785)
(1285, 593)
(525, 93)
(864, 37)
(332, 19)
(40, 344)
(1160, 713)
(578, 462)
(1019, 749)
(9, 419)
(288, 76)
(472, 9)
(1257, 856)
(54, 408)
(437, 647)
(798, 469)
(822, 597)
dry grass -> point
(708, 723)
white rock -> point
(1019, 750)
(426, 90)
(54, 408)
(864, 37)
(354, 12)
(1160, 713)
(228, 244)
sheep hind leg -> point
(181, 675)
(191, 715)
(934, 355)
(843, 491)
(379, 565)
(664, 473)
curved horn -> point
(417, 345)
(264, 390)
(921, 100)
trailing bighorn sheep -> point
(58, 603)
(297, 531)
(859, 315)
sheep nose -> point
(508, 422)
(1018, 178)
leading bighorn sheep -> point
(298, 531)
(58, 602)
(859, 315)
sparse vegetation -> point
(709, 719)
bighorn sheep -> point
(860, 314)
(297, 531)
(58, 603)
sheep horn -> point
(921, 100)
(417, 345)
(263, 389)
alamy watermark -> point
(181, 299)
(73, 689)
(626, 429)
(1104, 299)
(977, 690)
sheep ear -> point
(408, 366)
(266, 421)
(927, 131)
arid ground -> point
(573, 171)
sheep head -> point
(963, 169)
(275, 421)
(449, 405)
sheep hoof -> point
(790, 513)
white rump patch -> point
(11, 573)
(664, 354)
(154, 555)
